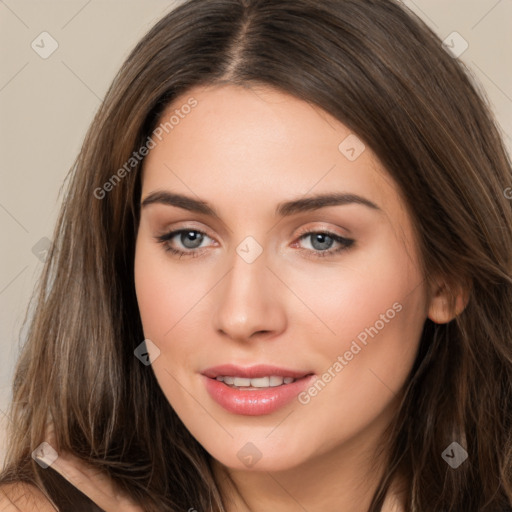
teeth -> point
(241, 381)
(276, 381)
(259, 382)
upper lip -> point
(252, 372)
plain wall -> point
(47, 104)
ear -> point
(447, 303)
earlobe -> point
(446, 304)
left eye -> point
(322, 242)
(319, 241)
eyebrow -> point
(283, 209)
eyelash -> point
(346, 243)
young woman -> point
(281, 278)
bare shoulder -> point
(23, 497)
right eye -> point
(190, 240)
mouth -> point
(254, 390)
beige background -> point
(46, 106)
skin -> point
(243, 151)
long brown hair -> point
(382, 72)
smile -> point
(255, 390)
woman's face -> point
(276, 278)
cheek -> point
(166, 299)
(376, 308)
(360, 293)
(165, 294)
(154, 295)
(365, 370)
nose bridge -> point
(247, 301)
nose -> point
(249, 303)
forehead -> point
(257, 146)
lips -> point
(232, 387)
(253, 372)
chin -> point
(260, 455)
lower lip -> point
(258, 401)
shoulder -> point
(23, 497)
